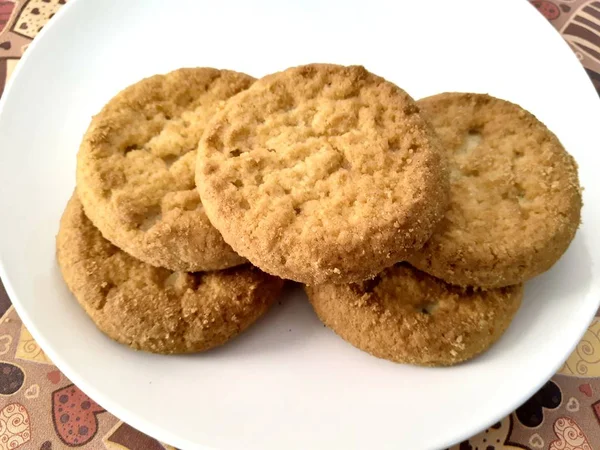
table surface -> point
(41, 409)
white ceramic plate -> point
(289, 383)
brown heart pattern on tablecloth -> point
(74, 415)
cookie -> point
(322, 173)
(407, 316)
(515, 200)
(151, 308)
(135, 169)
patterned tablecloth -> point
(41, 409)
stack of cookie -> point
(326, 175)
(134, 245)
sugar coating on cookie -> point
(407, 316)
(136, 164)
(151, 308)
(515, 200)
(322, 173)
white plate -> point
(289, 383)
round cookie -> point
(136, 164)
(151, 308)
(407, 316)
(515, 200)
(322, 173)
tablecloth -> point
(41, 409)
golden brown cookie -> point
(407, 316)
(154, 309)
(322, 173)
(135, 169)
(515, 200)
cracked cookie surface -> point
(515, 200)
(322, 173)
(407, 316)
(136, 163)
(151, 308)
